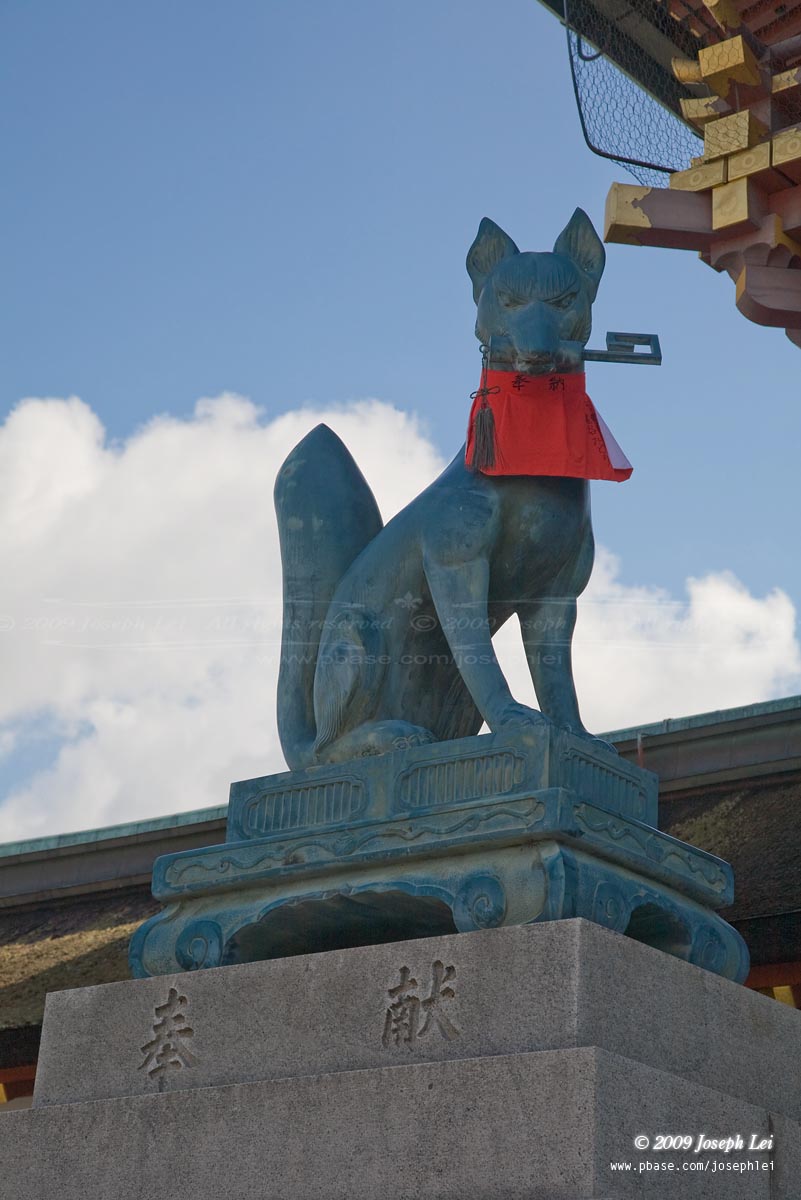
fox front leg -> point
(456, 564)
(547, 626)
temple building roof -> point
(60, 945)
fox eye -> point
(508, 300)
(563, 301)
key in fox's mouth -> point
(561, 361)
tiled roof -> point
(72, 943)
(755, 826)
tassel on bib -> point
(484, 447)
(484, 438)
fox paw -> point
(518, 716)
(595, 741)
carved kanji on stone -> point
(167, 1050)
(410, 1017)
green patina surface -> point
(473, 833)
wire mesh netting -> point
(629, 98)
(622, 121)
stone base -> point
(479, 833)
(544, 1126)
(511, 1063)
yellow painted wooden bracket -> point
(756, 164)
(727, 135)
(785, 81)
(738, 207)
(724, 64)
(701, 178)
(725, 13)
(686, 70)
(786, 155)
(699, 110)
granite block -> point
(786, 1175)
(514, 990)
(539, 1126)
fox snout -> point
(534, 311)
(535, 339)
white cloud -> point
(140, 610)
(641, 655)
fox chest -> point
(545, 534)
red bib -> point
(544, 425)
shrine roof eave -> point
(643, 36)
(101, 860)
(637, 45)
(728, 745)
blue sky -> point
(276, 199)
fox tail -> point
(326, 516)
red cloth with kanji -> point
(546, 425)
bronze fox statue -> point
(387, 634)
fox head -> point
(535, 310)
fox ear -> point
(579, 242)
(491, 245)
